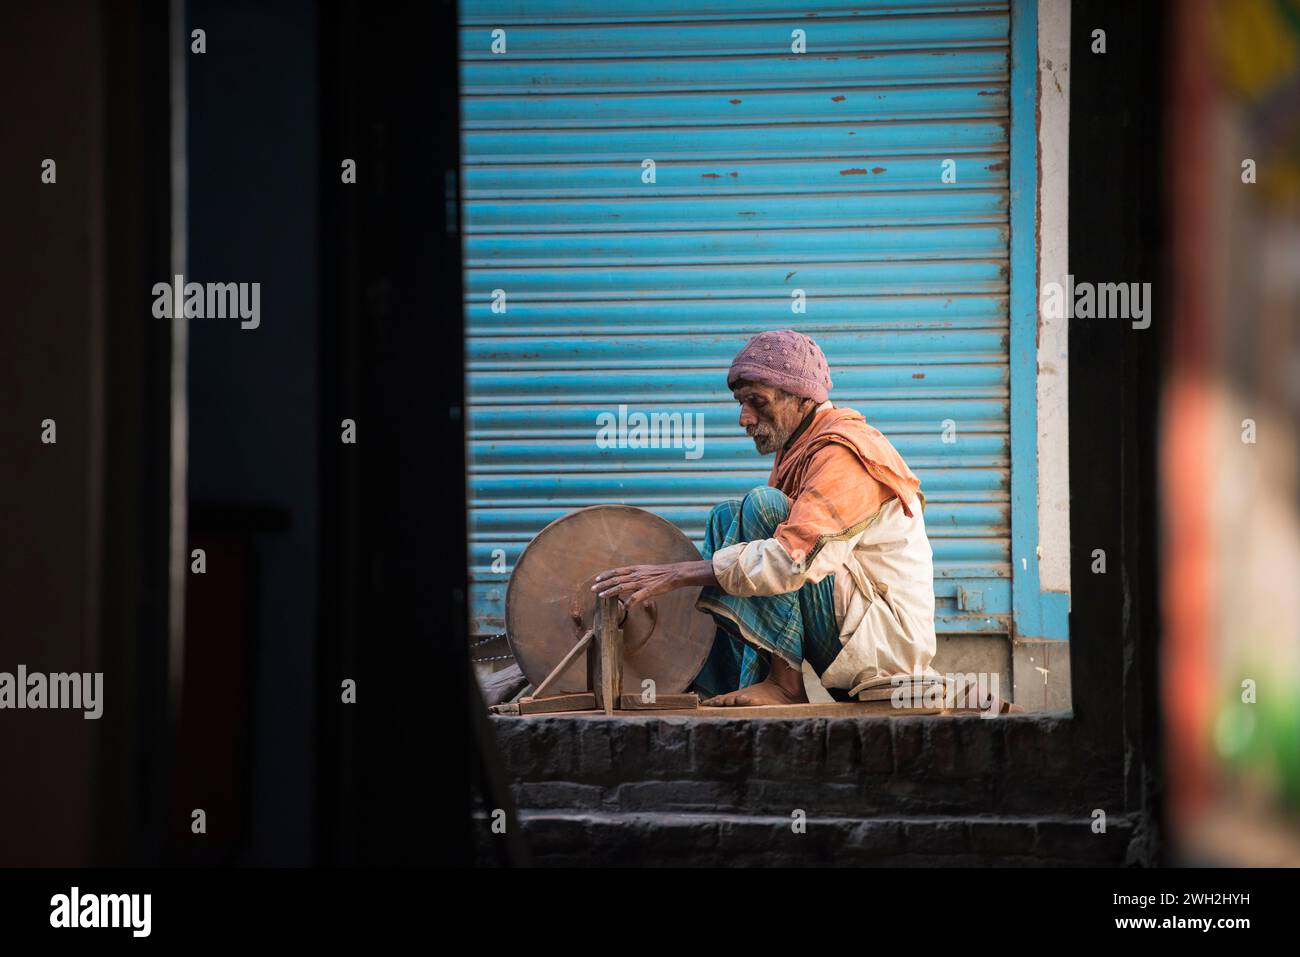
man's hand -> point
(633, 584)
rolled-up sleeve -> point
(763, 567)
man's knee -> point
(724, 513)
(763, 509)
(721, 517)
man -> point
(829, 563)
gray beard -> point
(775, 442)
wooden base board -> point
(834, 709)
(586, 701)
(665, 702)
(552, 704)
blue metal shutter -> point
(774, 171)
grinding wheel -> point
(550, 604)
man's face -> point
(768, 414)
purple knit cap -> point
(786, 359)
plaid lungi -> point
(798, 626)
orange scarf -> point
(828, 493)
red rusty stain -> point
(733, 101)
(838, 99)
(747, 212)
(853, 133)
(790, 273)
(853, 171)
(918, 375)
(711, 175)
(997, 167)
(734, 174)
(877, 169)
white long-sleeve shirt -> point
(883, 593)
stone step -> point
(566, 838)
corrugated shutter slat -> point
(774, 171)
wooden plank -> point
(914, 689)
(555, 704)
(833, 709)
(567, 660)
(633, 702)
(609, 635)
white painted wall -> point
(1053, 262)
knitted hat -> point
(785, 359)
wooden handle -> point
(564, 663)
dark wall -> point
(1117, 193)
(394, 784)
(360, 318)
(330, 557)
(50, 366)
(254, 429)
(83, 573)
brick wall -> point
(877, 790)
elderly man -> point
(829, 563)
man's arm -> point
(839, 495)
(636, 583)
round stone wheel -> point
(550, 604)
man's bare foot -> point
(765, 692)
(783, 686)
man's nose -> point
(746, 419)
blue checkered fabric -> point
(797, 626)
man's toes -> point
(721, 700)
